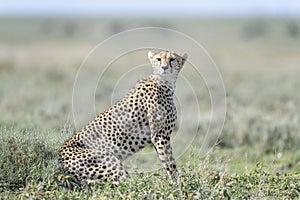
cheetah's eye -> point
(158, 59)
(172, 59)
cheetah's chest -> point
(132, 131)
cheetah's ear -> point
(150, 55)
(184, 56)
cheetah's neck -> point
(169, 80)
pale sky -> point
(151, 7)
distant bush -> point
(70, 28)
(254, 29)
(293, 29)
(116, 27)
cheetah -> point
(145, 116)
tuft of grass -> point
(25, 156)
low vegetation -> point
(29, 169)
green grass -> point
(257, 155)
(29, 169)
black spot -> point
(100, 176)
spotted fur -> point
(145, 116)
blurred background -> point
(255, 44)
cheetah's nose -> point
(164, 67)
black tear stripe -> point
(170, 64)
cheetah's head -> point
(166, 63)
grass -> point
(257, 155)
(29, 169)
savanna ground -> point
(257, 155)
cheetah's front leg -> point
(164, 151)
(160, 138)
